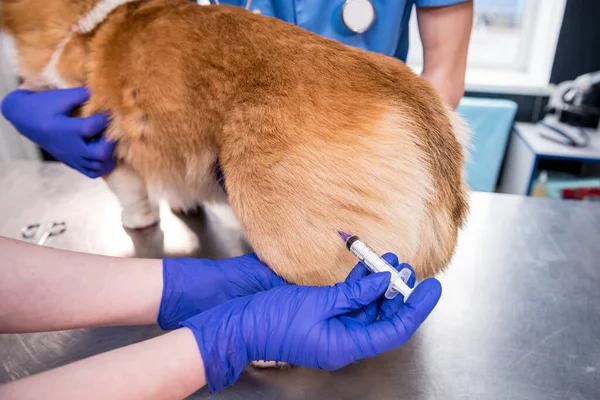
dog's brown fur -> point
(313, 136)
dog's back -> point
(312, 136)
(323, 137)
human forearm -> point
(449, 85)
(44, 289)
(445, 33)
(169, 366)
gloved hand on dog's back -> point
(316, 327)
(44, 118)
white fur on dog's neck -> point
(97, 15)
(86, 24)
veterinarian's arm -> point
(43, 289)
(318, 327)
(445, 33)
(168, 366)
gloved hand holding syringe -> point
(375, 263)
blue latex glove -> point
(308, 326)
(44, 117)
(192, 286)
(369, 313)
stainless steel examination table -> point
(519, 317)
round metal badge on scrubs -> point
(358, 15)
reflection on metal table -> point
(519, 317)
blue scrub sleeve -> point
(437, 3)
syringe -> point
(376, 263)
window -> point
(512, 44)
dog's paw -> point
(267, 364)
(140, 216)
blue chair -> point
(490, 121)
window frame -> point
(541, 25)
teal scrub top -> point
(387, 35)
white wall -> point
(12, 145)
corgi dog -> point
(312, 137)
